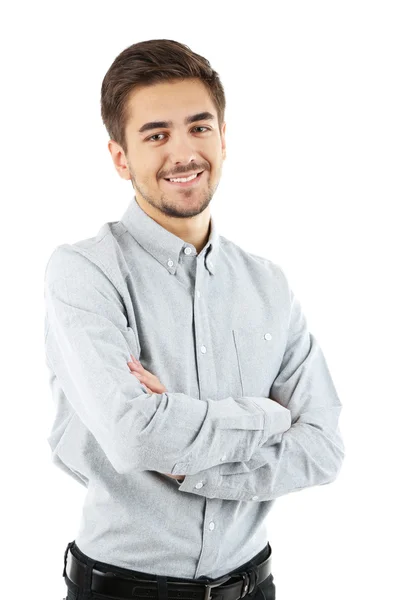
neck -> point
(193, 230)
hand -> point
(150, 381)
(151, 384)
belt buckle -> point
(209, 586)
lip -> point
(184, 184)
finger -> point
(134, 364)
(141, 379)
(144, 380)
(151, 382)
(156, 387)
(134, 360)
(135, 368)
(140, 369)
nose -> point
(182, 152)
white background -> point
(312, 92)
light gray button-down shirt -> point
(250, 412)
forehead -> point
(168, 100)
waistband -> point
(103, 578)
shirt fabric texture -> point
(250, 413)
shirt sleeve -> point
(87, 347)
(310, 453)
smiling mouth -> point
(191, 182)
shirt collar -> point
(163, 245)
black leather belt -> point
(111, 584)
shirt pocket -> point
(258, 353)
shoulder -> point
(261, 265)
(96, 259)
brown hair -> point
(147, 63)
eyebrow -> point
(203, 116)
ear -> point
(119, 159)
(223, 141)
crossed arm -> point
(311, 451)
(152, 385)
(273, 445)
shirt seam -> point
(95, 259)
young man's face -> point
(174, 150)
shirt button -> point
(223, 457)
(268, 336)
(198, 485)
(211, 525)
(255, 498)
(187, 250)
(170, 263)
(203, 349)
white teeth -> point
(181, 179)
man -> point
(189, 392)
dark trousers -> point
(263, 591)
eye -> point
(157, 134)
